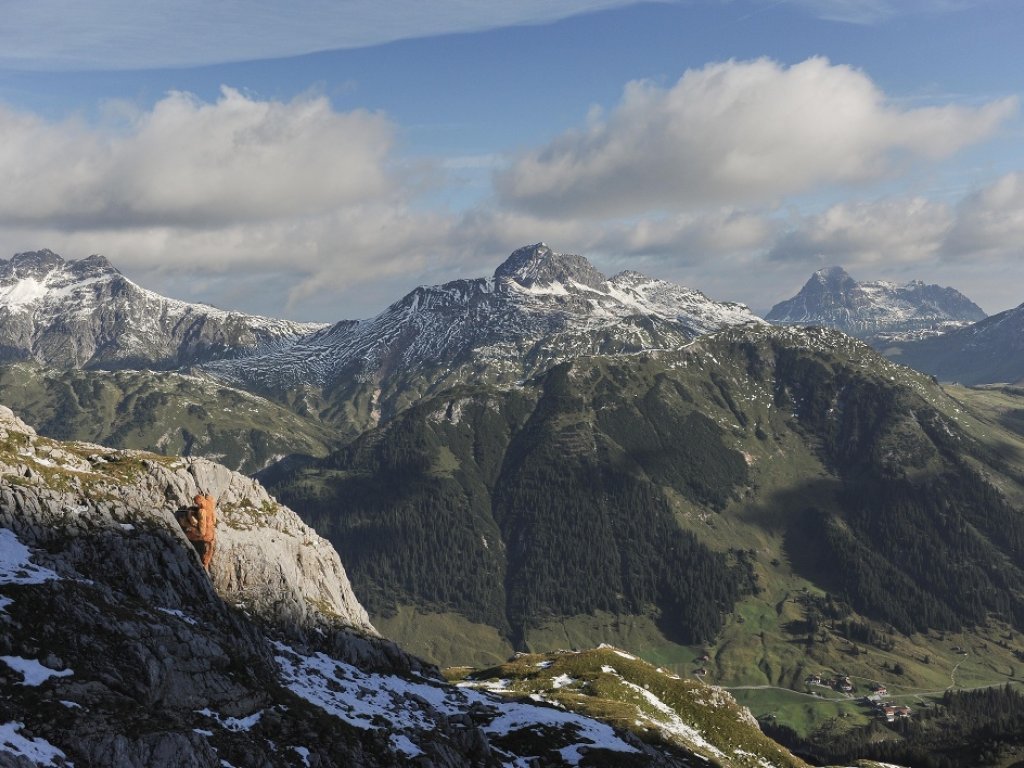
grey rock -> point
(833, 299)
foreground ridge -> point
(118, 650)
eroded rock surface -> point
(118, 649)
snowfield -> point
(408, 710)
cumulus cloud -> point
(193, 164)
(295, 194)
(146, 34)
(690, 237)
(345, 264)
(735, 133)
(990, 222)
(886, 231)
(986, 225)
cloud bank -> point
(190, 164)
(737, 132)
(295, 208)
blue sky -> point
(318, 160)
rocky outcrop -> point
(268, 560)
(118, 649)
(142, 641)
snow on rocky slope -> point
(86, 313)
(540, 307)
(832, 298)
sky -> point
(317, 160)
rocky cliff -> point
(117, 648)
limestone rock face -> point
(267, 559)
(141, 639)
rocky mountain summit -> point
(117, 649)
(84, 313)
(834, 299)
(539, 308)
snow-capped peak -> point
(85, 312)
(831, 297)
(542, 307)
(534, 264)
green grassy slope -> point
(163, 412)
(786, 501)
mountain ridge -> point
(532, 313)
(831, 297)
(85, 313)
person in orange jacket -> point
(200, 526)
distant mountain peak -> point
(30, 264)
(96, 263)
(543, 307)
(39, 264)
(835, 274)
(831, 297)
(85, 312)
(538, 264)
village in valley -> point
(876, 698)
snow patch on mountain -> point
(834, 299)
(408, 709)
(37, 751)
(539, 308)
(16, 566)
(85, 312)
(33, 672)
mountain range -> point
(550, 458)
(987, 352)
(539, 308)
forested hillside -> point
(669, 485)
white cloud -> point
(147, 34)
(734, 133)
(990, 222)
(689, 237)
(325, 267)
(985, 226)
(898, 230)
(192, 164)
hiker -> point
(200, 525)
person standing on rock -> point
(200, 526)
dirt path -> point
(952, 676)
